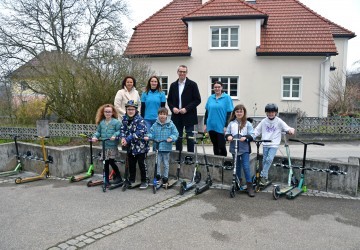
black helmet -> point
(131, 103)
(271, 107)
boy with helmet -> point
(133, 130)
(270, 128)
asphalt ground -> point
(55, 214)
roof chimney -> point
(204, 1)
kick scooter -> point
(18, 167)
(90, 171)
(186, 186)
(93, 183)
(256, 180)
(171, 182)
(157, 182)
(235, 184)
(208, 181)
(46, 159)
(300, 187)
(104, 184)
(292, 181)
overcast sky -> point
(345, 13)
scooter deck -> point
(9, 173)
(294, 192)
(286, 189)
(79, 177)
(113, 186)
(170, 183)
(128, 185)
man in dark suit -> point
(183, 98)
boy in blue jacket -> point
(163, 129)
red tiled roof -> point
(164, 33)
(225, 9)
(291, 27)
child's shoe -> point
(144, 185)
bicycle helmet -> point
(131, 103)
(271, 107)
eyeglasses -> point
(182, 72)
(130, 109)
(108, 112)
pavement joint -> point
(87, 238)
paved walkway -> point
(56, 214)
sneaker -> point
(263, 181)
(164, 180)
(143, 185)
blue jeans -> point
(163, 158)
(243, 162)
(268, 157)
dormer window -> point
(224, 37)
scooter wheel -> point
(125, 186)
(197, 177)
(232, 192)
(154, 189)
(289, 195)
(196, 191)
(72, 179)
(89, 183)
(92, 172)
(18, 180)
(257, 188)
(182, 188)
(276, 192)
(210, 182)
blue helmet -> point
(131, 103)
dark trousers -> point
(188, 129)
(112, 163)
(140, 159)
(219, 143)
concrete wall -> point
(73, 160)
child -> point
(163, 129)
(108, 128)
(239, 127)
(270, 128)
(133, 131)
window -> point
(224, 37)
(291, 88)
(164, 84)
(230, 85)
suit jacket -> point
(190, 99)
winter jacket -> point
(134, 131)
(122, 97)
(159, 132)
(106, 131)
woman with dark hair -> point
(217, 112)
(151, 100)
(128, 92)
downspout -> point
(324, 85)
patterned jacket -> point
(159, 132)
(134, 132)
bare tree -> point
(343, 99)
(77, 27)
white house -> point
(264, 51)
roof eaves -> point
(201, 18)
(296, 53)
(158, 55)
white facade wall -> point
(260, 77)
